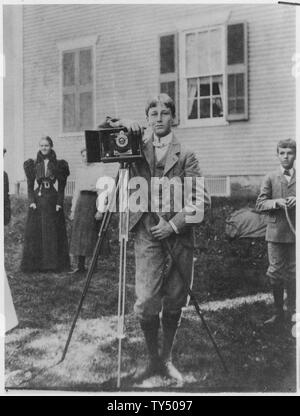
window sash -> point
(185, 121)
(199, 98)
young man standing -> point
(159, 287)
(278, 198)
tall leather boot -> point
(150, 329)
(278, 317)
(291, 298)
(170, 324)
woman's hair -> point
(161, 99)
(49, 140)
(51, 155)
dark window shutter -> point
(237, 72)
(168, 68)
(167, 54)
(78, 114)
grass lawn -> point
(259, 359)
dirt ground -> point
(259, 359)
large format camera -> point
(114, 144)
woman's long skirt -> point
(85, 228)
(46, 243)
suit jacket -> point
(180, 162)
(276, 186)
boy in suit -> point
(159, 287)
(278, 198)
(160, 292)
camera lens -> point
(121, 140)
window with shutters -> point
(213, 75)
(77, 91)
(77, 84)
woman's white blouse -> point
(85, 180)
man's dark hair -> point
(287, 143)
(161, 99)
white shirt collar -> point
(290, 170)
(164, 140)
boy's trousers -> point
(282, 263)
(158, 283)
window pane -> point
(231, 106)
(203, 53)
(217, 106)
(167, 54)
(85, 67)
(191, 54)
(205, 108)
(217, 85)
(168, 88)
(240, 105)
(86, 110)
(192, 88)
(235, 39)
(192, 109)
(240, 85)
(69, 112)
(68, 69)
(215, 51)
(231, 85)
(205, 86)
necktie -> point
(286, 172)
(159, 145)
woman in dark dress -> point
(46, 244)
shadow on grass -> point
(259, 360)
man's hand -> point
(58, 208)
(33, 205)
(291, 201)
(131, 126)
(280, 203)
(71, 216)
(162, 230)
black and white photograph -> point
(149, 199)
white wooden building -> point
(228, 67)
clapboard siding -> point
(127, 62)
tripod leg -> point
(102, 232)
(88, 280)
(166, 244)
(196, 304)
(121, 306)
(123, 238)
